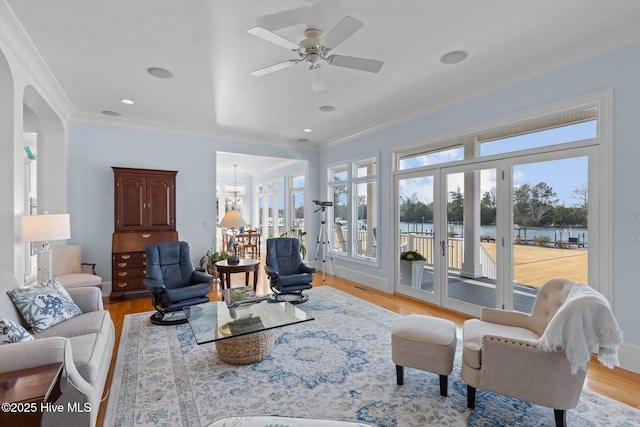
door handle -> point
(442, 245)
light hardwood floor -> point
(617, 383)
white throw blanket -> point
(583, 322)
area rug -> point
(337, 366)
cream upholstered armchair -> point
(541, 358)
(70, 270)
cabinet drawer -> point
(120, 285)
(129, 273)
(123, 265)
(128, 256)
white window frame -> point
(601, 239)
(351, 182)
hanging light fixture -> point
(233, 219)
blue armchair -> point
(288, 274)
(173, 282)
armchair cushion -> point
(474, 331)
(44, 305)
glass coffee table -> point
(243, 335)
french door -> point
(492, 232)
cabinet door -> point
(161, 206)
(130, 202)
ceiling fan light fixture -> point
(313, 60)
(454, 57)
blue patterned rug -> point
(337, 366)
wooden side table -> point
(244, 266)
(24, 392)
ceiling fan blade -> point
(363, 64)
(342, 31)
(273, 68)
(273, 38)
(317, 82)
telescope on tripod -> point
(323, 237)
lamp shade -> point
(41, 228)
(232, 219)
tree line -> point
(533, 205)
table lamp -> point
(43, 228)
(233, 219)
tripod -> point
(323, 238)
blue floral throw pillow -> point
(11, 332)
(44, 305)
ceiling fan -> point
(314, 49)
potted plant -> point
(411, 267)
(208, 261)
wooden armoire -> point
(145, 212)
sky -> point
(561, 175)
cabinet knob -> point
(125, 256)
(122, 273)
(146, 235)
(122, 264)
(122, 285)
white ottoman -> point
(426, 343)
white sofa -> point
(83, 343)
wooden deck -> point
(535, 265)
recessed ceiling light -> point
(127, 101)
(307, 130)
(327, 108)
(161, 73)
(302, 140)
(111, 113)
(454, 57)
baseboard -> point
(629, 356)
(375, 282)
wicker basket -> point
(246, 349)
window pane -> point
(365, 219)
(543, 138)
(280, 185)
(297, 181)
(431, 158)
(339, 173)
(366, 168)
(340, 215)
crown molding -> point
(220, 134)
(39, 75)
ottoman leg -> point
(400, 374)
(444, 382)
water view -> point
(520, 233)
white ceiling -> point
(98, 52)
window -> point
(577, 126)
(353, 190)
(513, 205)
(433, 157)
